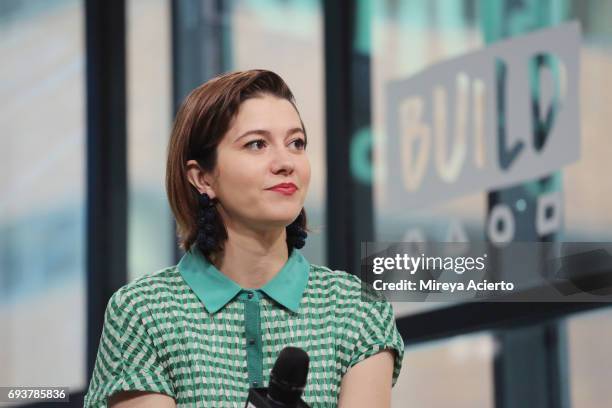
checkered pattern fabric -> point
(159, 337)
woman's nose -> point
(283, 160)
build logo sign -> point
(486, 120)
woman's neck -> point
(252, 261)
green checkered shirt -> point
(190, 332)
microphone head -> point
(288, 376)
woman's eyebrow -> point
(266, 133)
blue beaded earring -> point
(296, 235)
(207, 225)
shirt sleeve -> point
(378, 332)
(127, 358)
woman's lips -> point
(284, 190)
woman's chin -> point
(281, 221)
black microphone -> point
(287, 382)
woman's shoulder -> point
(355, 303)
(346, 287)
(333, 277)
(153, 286)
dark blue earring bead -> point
(208, 215)
(299, 243)
(205, 242)
(206, 224)
(210, 242)
(204, 220)
(201, 222)
(297, 230)
(205, 200)
(296, 235)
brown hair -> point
(202, 120)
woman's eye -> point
(255, 143)
(261, 143)
(300, 143)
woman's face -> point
(263, 147)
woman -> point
(202, 332)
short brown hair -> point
(203, 118)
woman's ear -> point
(199, 178)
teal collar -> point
(215, 289)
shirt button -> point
(255, 384)
(251, 341)
(250, 295)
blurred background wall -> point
(338, 58)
